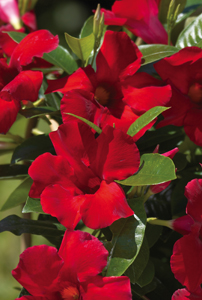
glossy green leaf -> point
(91, 124)
(81, 47)
(128, 235)
(156, 169)
(155, 52)
(145, 119)
(31, 148)
(191, 35)
(19, 195)
(59, 57)
(33, 205)
(147, 275)
(13, 171)
(18, 225)
(136, 269)
(87, 28)
(193, 3)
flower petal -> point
(37, 269)
(193, 192)
(104, 207)
(9, 108)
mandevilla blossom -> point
(17, 84)
(78, 183)
(9, 12)
(186, 100)
(184, 294)
(113, 94)
(71, 273)
(186, 262)
(140, 17)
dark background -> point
(66, 15)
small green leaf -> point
(191, 35)
(59, 57)
(33, 205)
(81, 47)
(31, 148)
(163, 8)
(147, 275)
(128, 235)
(155, 52)
(19, 195)
(91, 124)
(145, 119)
(87, 28)
(156, 169)
(153, 233)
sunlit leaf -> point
(33, 205)
(191, 35)
(156, 169)
(155, 52)
(145, 119)
(81, 47)
(87, 28)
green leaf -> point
(33, 205)
(128, 235)
(145, 119)
(37, 111)
(191, 35)
(163, 9)
(91, 124)
(59, 57)
(87, 28)
(31, 148)
(81, 47)
(193, 3)
(156, 169)
(147, 275)
(155, 52)
(137, 267)
(17, 226)
(153, 232)
(13, 171)
(19, 195)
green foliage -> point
(154, 52)
(128, 235)
(81, 47)
(87, 28)
(156, 169)
(91, 124)
(31, 148)
(145, 119)
(147, 275)
(19, 195)
(37, 112)
(13, 171)
(164, 5)
(33, 205)
(191, 35)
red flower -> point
(184, 294)
(71, 273)
(186, 263)
(9, 12)
(17, 85)
(114, 94)
(140, 17)
(78, 183)
(186, 100)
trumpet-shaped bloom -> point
(71, 273)
(114, 94)
(186, 263)
(17, 84)
(140, 17)
(78, 183)
(186, 100)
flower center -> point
(70, 293)
(195, 93)
(102, 95)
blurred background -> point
(57, 16)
